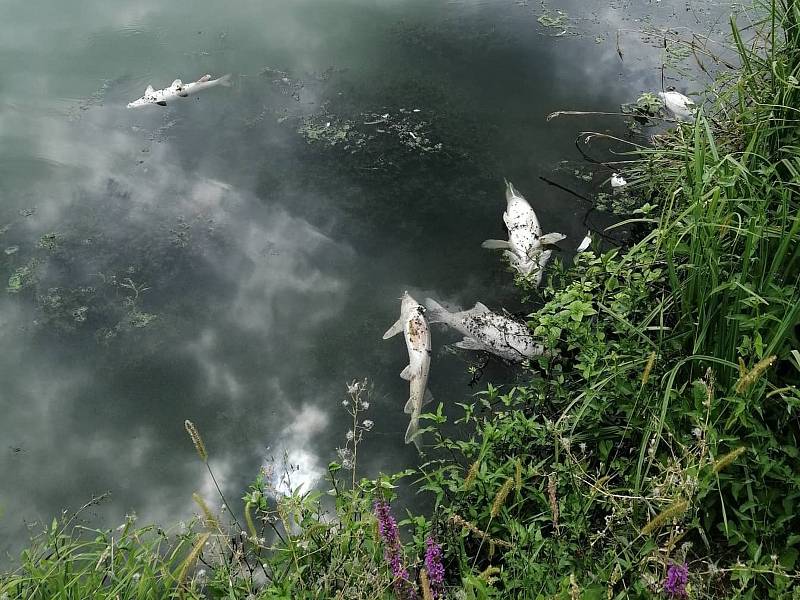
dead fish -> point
(487, 331)
(679, 105)
(178, 90)
(417, 334)
(525, 246)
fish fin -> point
(394, 329)
(406, 373)
(204, 78)
(436, 313)
(543, 259)
(225, 80)
(149, 90)
(162, 103)
(411, 432)
(496, 245)
(480, 307)
(551, 238)
(177, 83)
(428, 397)
(469, 344)
(512, 258)
(409, 407)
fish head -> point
(143, 101)
(407, 303)
(511, 192)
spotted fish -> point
(525, 246)
(484, 330)
(178, 90)
(417, 334)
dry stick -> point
(558, 113)
(591, 209)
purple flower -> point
(434, 567)
(675, 583)
(393, 550)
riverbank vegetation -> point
(654, 453)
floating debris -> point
(376, 129)
(11, 250)
(23, 277)
(585, 242)
(556, 20)
(48, 241)
(285, 84)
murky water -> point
(234, 259)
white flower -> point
(350, 435)
(353, 387)
(136, 576)
(345, 403)
(697, 432)
(583, 447)
(364, 405)
(347, 464)
(368, 424)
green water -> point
(234, 259)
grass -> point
(663, 432)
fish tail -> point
(436, 313)
(225, 80)
(413, 429)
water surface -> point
(235, 259)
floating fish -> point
(418, 342)
(178, 90)
(617, 182)
(679, 105)
(487, 331)
(525, 246)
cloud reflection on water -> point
(262, 310)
